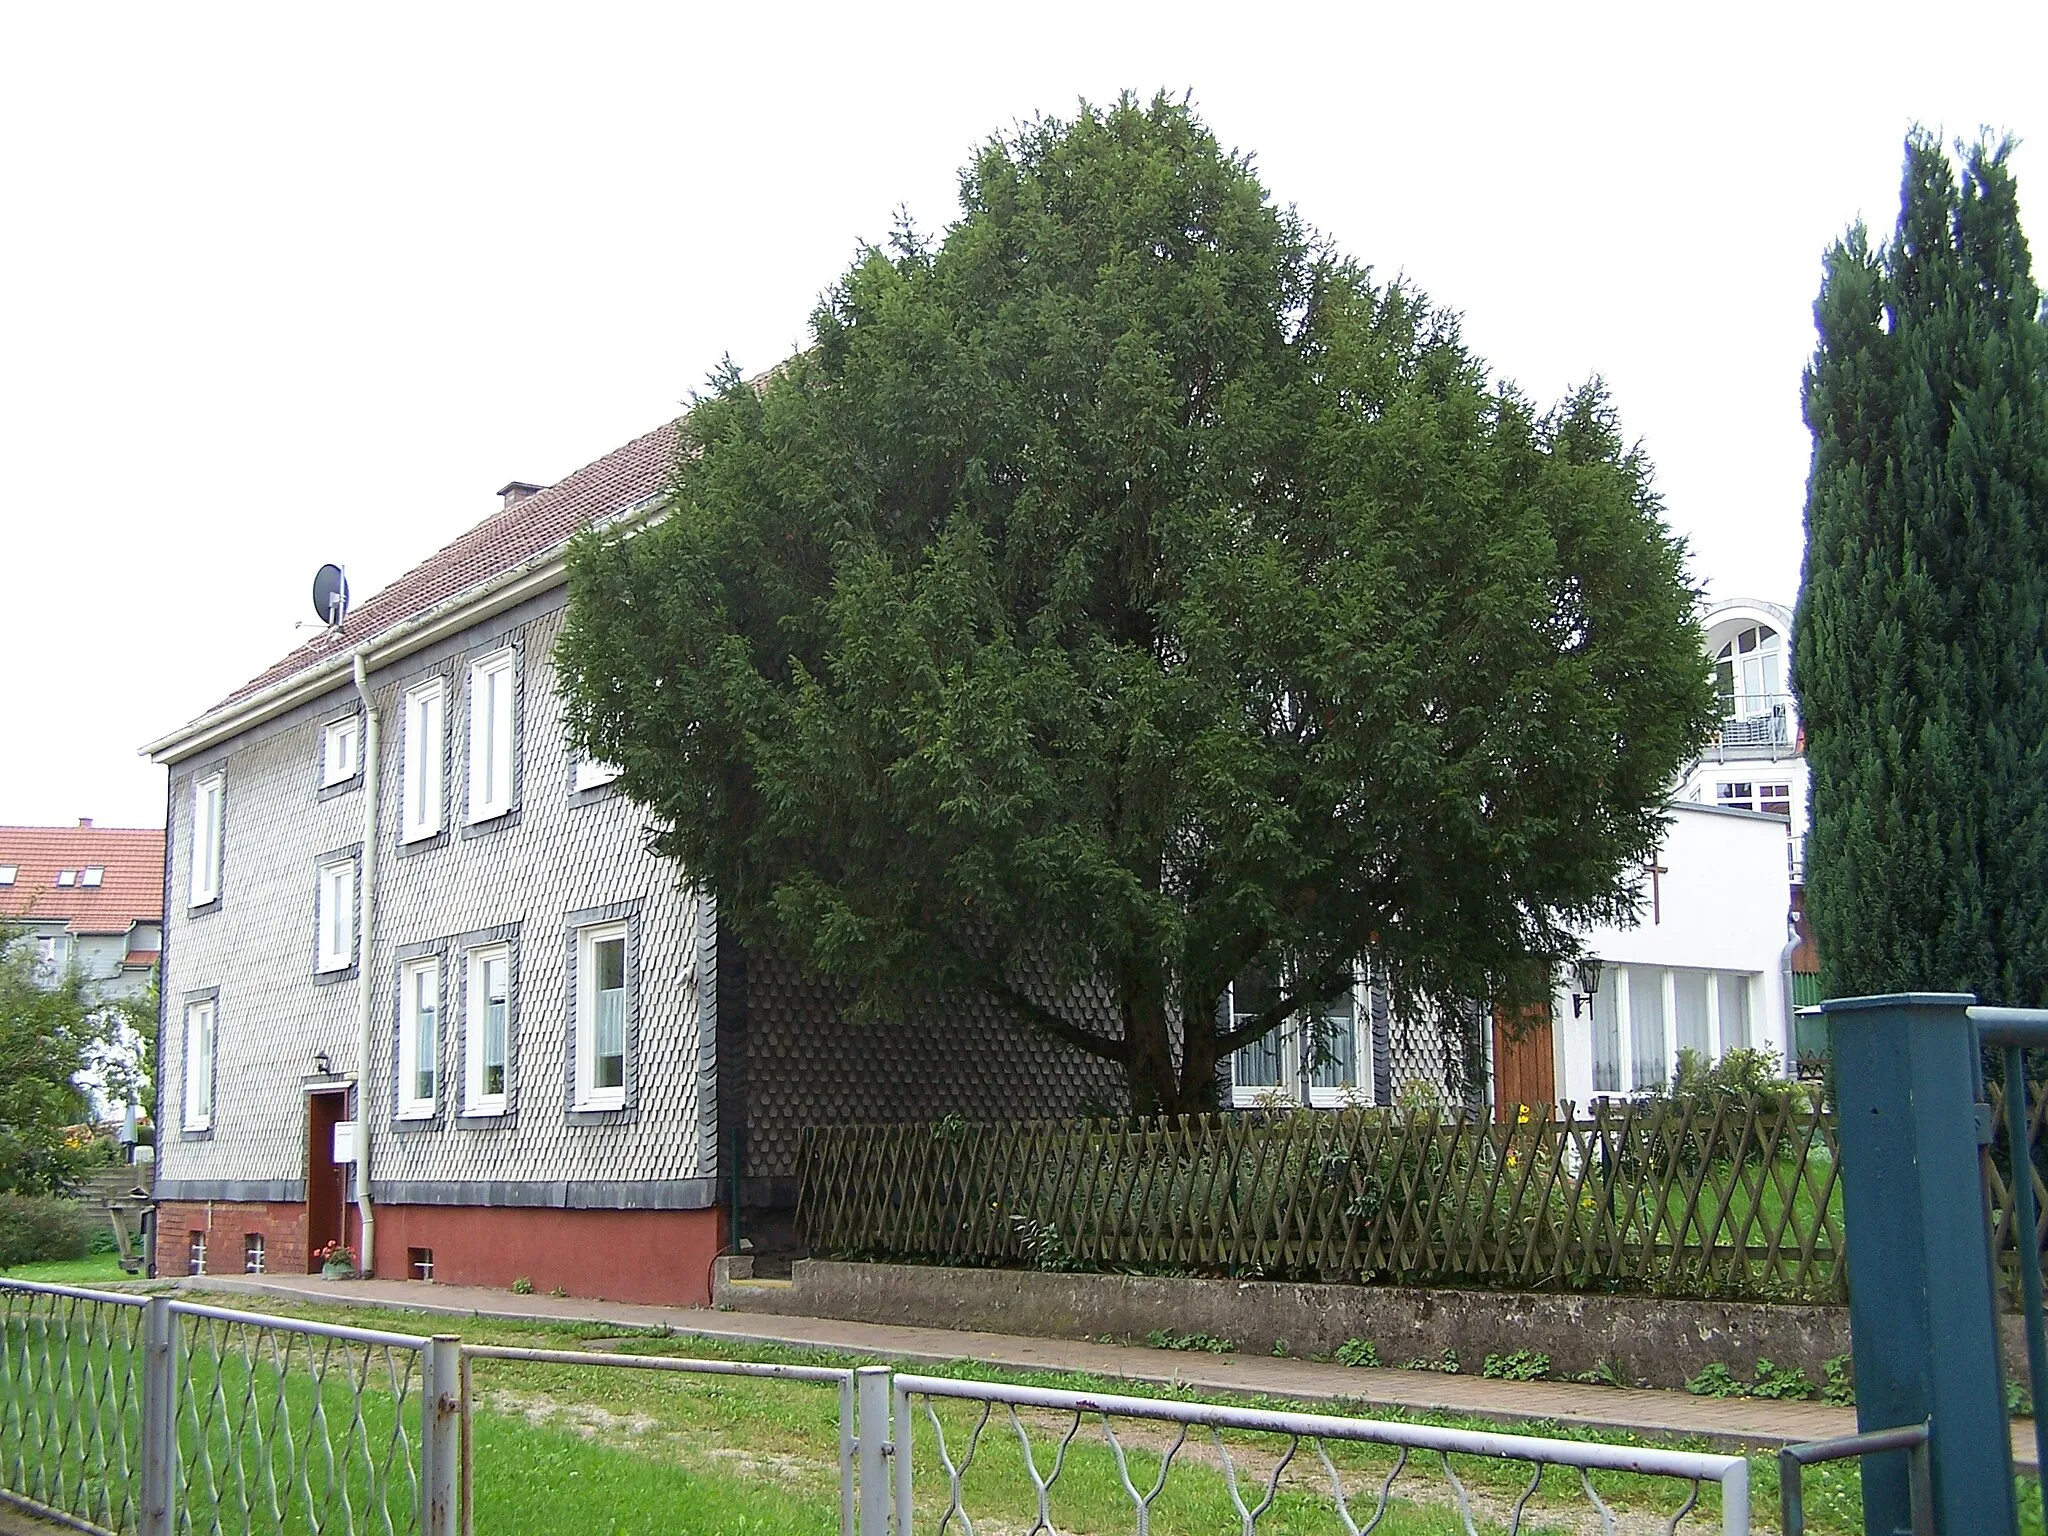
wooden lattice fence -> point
(1731, 1200)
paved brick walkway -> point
(1731, 1423)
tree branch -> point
(1324, 984)
(1060, 1028)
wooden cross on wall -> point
(1652, 868)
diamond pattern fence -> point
(1096, 1462)
(286, 1427)
(143, 1414)
(71, 1419)
(1739, 1199)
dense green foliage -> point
(1922, 663)
(49, 1032)
(42, 1229)
(1128, 585)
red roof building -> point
(90, 896)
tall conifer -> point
(1922, 661)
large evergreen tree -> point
(1922, 662)
(1127, 585)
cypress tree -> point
(1920, 667)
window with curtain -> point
(1649, 1039)
(1607, 1034)
(601, 1017)
(1689, 991)
(1734, 1000)
(1260, 1065)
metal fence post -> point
(440, 1432)
(874, 1448)
(1923, 1304)
(901, 1396)
(159, 1418)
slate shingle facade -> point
(625, 1202)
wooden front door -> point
(1524, 1071)
(326, 1180)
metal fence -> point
(1730, 1199)
(1239, 1470)
(128, 1414)
(842, 1378)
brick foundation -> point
(661, 1257)
(225, 1225)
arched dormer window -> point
(1749, 674)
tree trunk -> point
(1141, 988)
(1196, 1091)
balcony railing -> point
(1765, 723)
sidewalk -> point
(1728, 1423)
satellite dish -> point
(330, 595)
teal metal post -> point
(1923, 1305)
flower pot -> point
(332, 1271)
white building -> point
(1757, 762)
(1706, 966)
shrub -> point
(1522, 1365)
(1841, 1383)
(1716, 1380)
(1446, 1363)
(1358, 1352)
(1206, 1343)
(36, 1229)
(523, 1286)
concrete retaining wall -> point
(1649, 1341)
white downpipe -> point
(365, 970)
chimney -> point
(85, 821)
(516, 491)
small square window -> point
(593, 773)
(8, 872)
(67, 877)
(338, 752)
(252, 1253)
(93, 876)
(419, 1262)
(195, 1253)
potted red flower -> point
(337, 1260)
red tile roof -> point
(131, 891)
(529, 528)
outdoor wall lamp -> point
(1587, 975)
(322, 1067)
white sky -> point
(281, 285)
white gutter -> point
(366, 953)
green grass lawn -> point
(97, 1269)
(609, 1450)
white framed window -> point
(67, 877)
(489, 993)
(1643, 1016)
(93, 875)
(419, 1037)
(207, 795)
(199, 1045)
(338, 752)
(335, 914)
(1258, 1070)
(601, 1017)
(422, 785)
(490, 736)
(593, 773)
(1334, 1054)
(8, 873)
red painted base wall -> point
(661, 1257)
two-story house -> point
(90, 899)
(427, 992)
